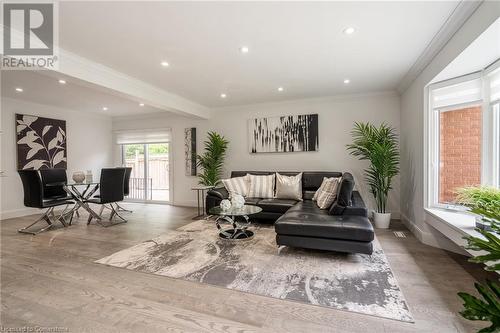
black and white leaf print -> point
(46, 129)
(41, 142)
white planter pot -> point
(382, 220)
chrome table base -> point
(237, 232)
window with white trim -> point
(464, 134)
(494, 92)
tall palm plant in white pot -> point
(378, 145)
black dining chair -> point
(52, 177)
(126, 188)
(34, 196)
(110, 193)
(54, 182)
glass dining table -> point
(80, 193)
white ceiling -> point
(44, 88)
(297, 45)
(483, 51)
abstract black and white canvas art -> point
(190, 151)
(41, 142)
(284, 134)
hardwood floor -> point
(50, 280)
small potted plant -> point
(379, 146)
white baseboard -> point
(10, 214)
(416, 231)
(434, 239)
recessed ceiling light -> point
(62, 81)
(223, 95)
(349, 30)
(19, 89)
(280, 89)
(244, 49)
(165, 64)
(141, 104)
(347, 81)
(104, 108)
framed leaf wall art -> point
(41, 142)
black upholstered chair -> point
(50, 177)
(34, 196)
(111, 191)
(54, 176)
(126, 188)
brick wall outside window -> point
(460, 151)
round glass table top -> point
(245, 210)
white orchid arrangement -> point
(54, 148)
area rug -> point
(352, 282)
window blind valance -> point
(460, 93)
(126, 137)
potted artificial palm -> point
(378, 145)
(212, 160)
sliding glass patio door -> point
(150, 177)
(157, 171)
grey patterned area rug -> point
(355, 282)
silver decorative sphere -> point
(237, 201)
(225, 204)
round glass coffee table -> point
(239, 230)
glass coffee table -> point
(239, 230)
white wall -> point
(89, 138)
(412, 124)
(336, 118)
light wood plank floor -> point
(50, 280)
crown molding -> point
(454, 22)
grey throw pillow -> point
(289, 187)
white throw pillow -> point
(289, 187)
(236, 185)
(328, 193)
(261, 186)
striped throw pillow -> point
(322, 186)
(328, 193)
(323, 183)
(236, 185)
(261, 186)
